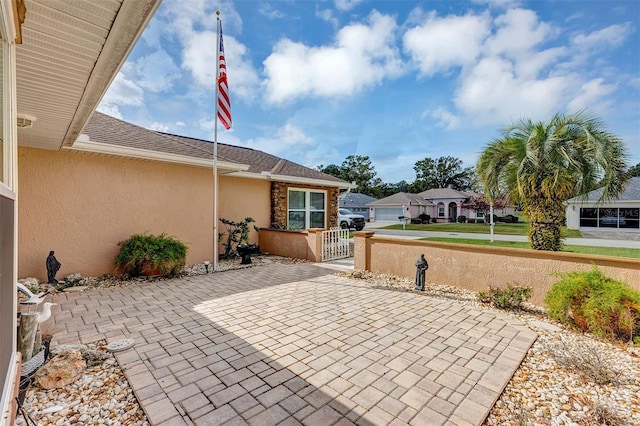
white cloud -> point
(611, 36)
(286, 139)
(184, 18)
(493, 92)
(498, 4)
(199, 57)
(270, 12)
(511, 72)
(158, 127)
(518, 32)
(439, 44)
(362, 56)
(590, 96)
(347, 5)
(327, 15)
(110, 109)
(445, 118)
(122, 92)
(156, 71)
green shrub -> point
(590, 301)
(487, 219)
(471, 220)
(424, 217)
(150, 255)
(510, 297)
(462, 219)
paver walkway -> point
(291, 344)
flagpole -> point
(215, 151)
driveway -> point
(292, 344)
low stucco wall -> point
(82, 205)
(477, 267)
(296, 244)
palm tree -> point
(541, 165)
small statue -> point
(421, 267)
(52, 268)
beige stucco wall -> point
(286, 243)
(82, 205)
(242, 198)
(477, 267)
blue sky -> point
(398, 81)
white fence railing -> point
(335, 244)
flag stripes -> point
(224, 104)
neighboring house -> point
(621, 214)
(442, 204)
(401, 204)
(357, 203)
(87, 181)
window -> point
(610, 217)
(479, 214)
(307, 209)
(440, 209)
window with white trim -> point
(440, 209)
(307, 208)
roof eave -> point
(293, 179)
(149, 155)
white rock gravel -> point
(551, 386)
(100, 396)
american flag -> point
(224, 105)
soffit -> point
(71, 52)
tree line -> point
(442, 172)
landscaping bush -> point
(487, 219)
(150, 255)
(461, 219)
(590, 301)
(434, 220)
(425, 218)
(510, 297)
(471, 220)
(416, 221)
(510, 219)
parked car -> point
(348, 220)
(612, 220)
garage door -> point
(388, 213)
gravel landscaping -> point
(567, 378)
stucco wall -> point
(82, 205)
(476, 267)
(285, 243)
(241, 198)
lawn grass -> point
(519, 228)
(602, 251)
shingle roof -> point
(108, 130)
(435, 193)
(354, 199)
(401, 198)
(631, 193)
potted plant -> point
(150, 255)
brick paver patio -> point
(292, 344)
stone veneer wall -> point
(279, 203)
